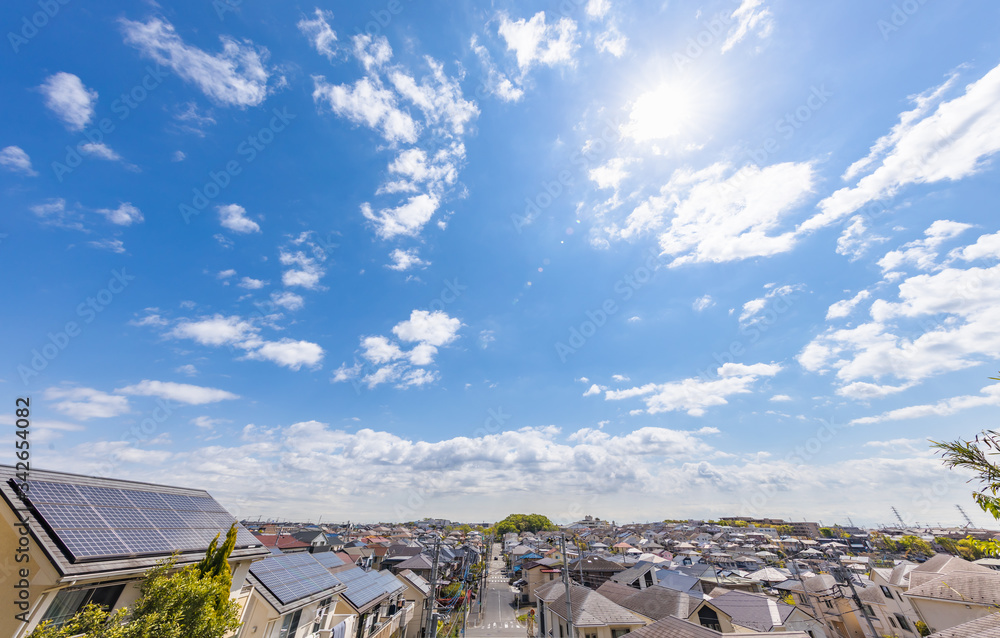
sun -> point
(668, 111)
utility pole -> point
(430, 629)
(565, 577)
(843, 573)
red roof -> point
(285, 541)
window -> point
(828, 604)
(869, 611)
(290, 625)
(617, 633)
(706, 618)
(560, 630)
(901, 619)
(67, 603)
(891, 621)
(321, 612)
(886, 592)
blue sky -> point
(395, 260)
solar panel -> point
(364, 587)
(94, 522)
(328, 560)
(291, 577)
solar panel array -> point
(328, 559)
(364, 587)
(102, 522)
(292, 577)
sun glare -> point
(667, 112)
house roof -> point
(420, 561)
(591, 609)
(633, 573)
(88, 525)
(595, 564)
(651, 602)
(985, 627)
(367, 589)
(288, 581)
(964, 587)
(759, 613)
(549, 591)
(416, 580)
(285, 541)
(671, 627)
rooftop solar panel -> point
(364, 587)
(291, 577)
(93, 522)
(328, 559)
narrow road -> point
(498, 612)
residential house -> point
(283, 543)
(594, 571)
(378, 601)
(947, 591)
(594, 616)
(893, 584)
(292, 596)
(985, 627)
(671, 627)
(640, 575)
(651, 603)
(418, 592)
(90, 540)
(739, 611)
(833, 604)
(537, 573)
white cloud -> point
(233, 217)
(305, 271)
(845, 307)
(178, 156)
(405, 260)
(439, 97)
(287, 300)
(780, 398)
(989, 396)
(751, 17)
(620, 378)
(922, 253)
(714, 215)
(372, 51)
(217, 330)
(234, 77)
(611, 41)
(322, 37)
(86, 403)
(207, 422)
(100, 151)
(367, 102)
(13, 158)
(251, 284)
(435, 328)
(54, 212)
(188, 368)
(180, 392)
(925, 147)
(940, 322)
(535, 42)
(406, 219)
(703, 303)
(67, 97)
(594, 390)
(752, 308)
(125, 215)
(289, 353)
(226, 274)
(597, 8)
(695, 395)
(428, 330)
(610, 174)
(486, 337)
(857, 239)
(114, 245)
(189, 120)
(497, 82)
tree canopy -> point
(524, 523)
(192, 602)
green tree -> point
(785, 530)
(524, 523)
(915, 545)
(192, 602)
(739, 523)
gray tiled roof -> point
(671, 627)
(985, 627)
(752, 611)
(652, 602)
(591, 609)
(965, 587)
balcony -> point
(389, 626)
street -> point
(498, 612)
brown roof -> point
(595, 564)
(285, 541)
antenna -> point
(965, 516)
(899, 518)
